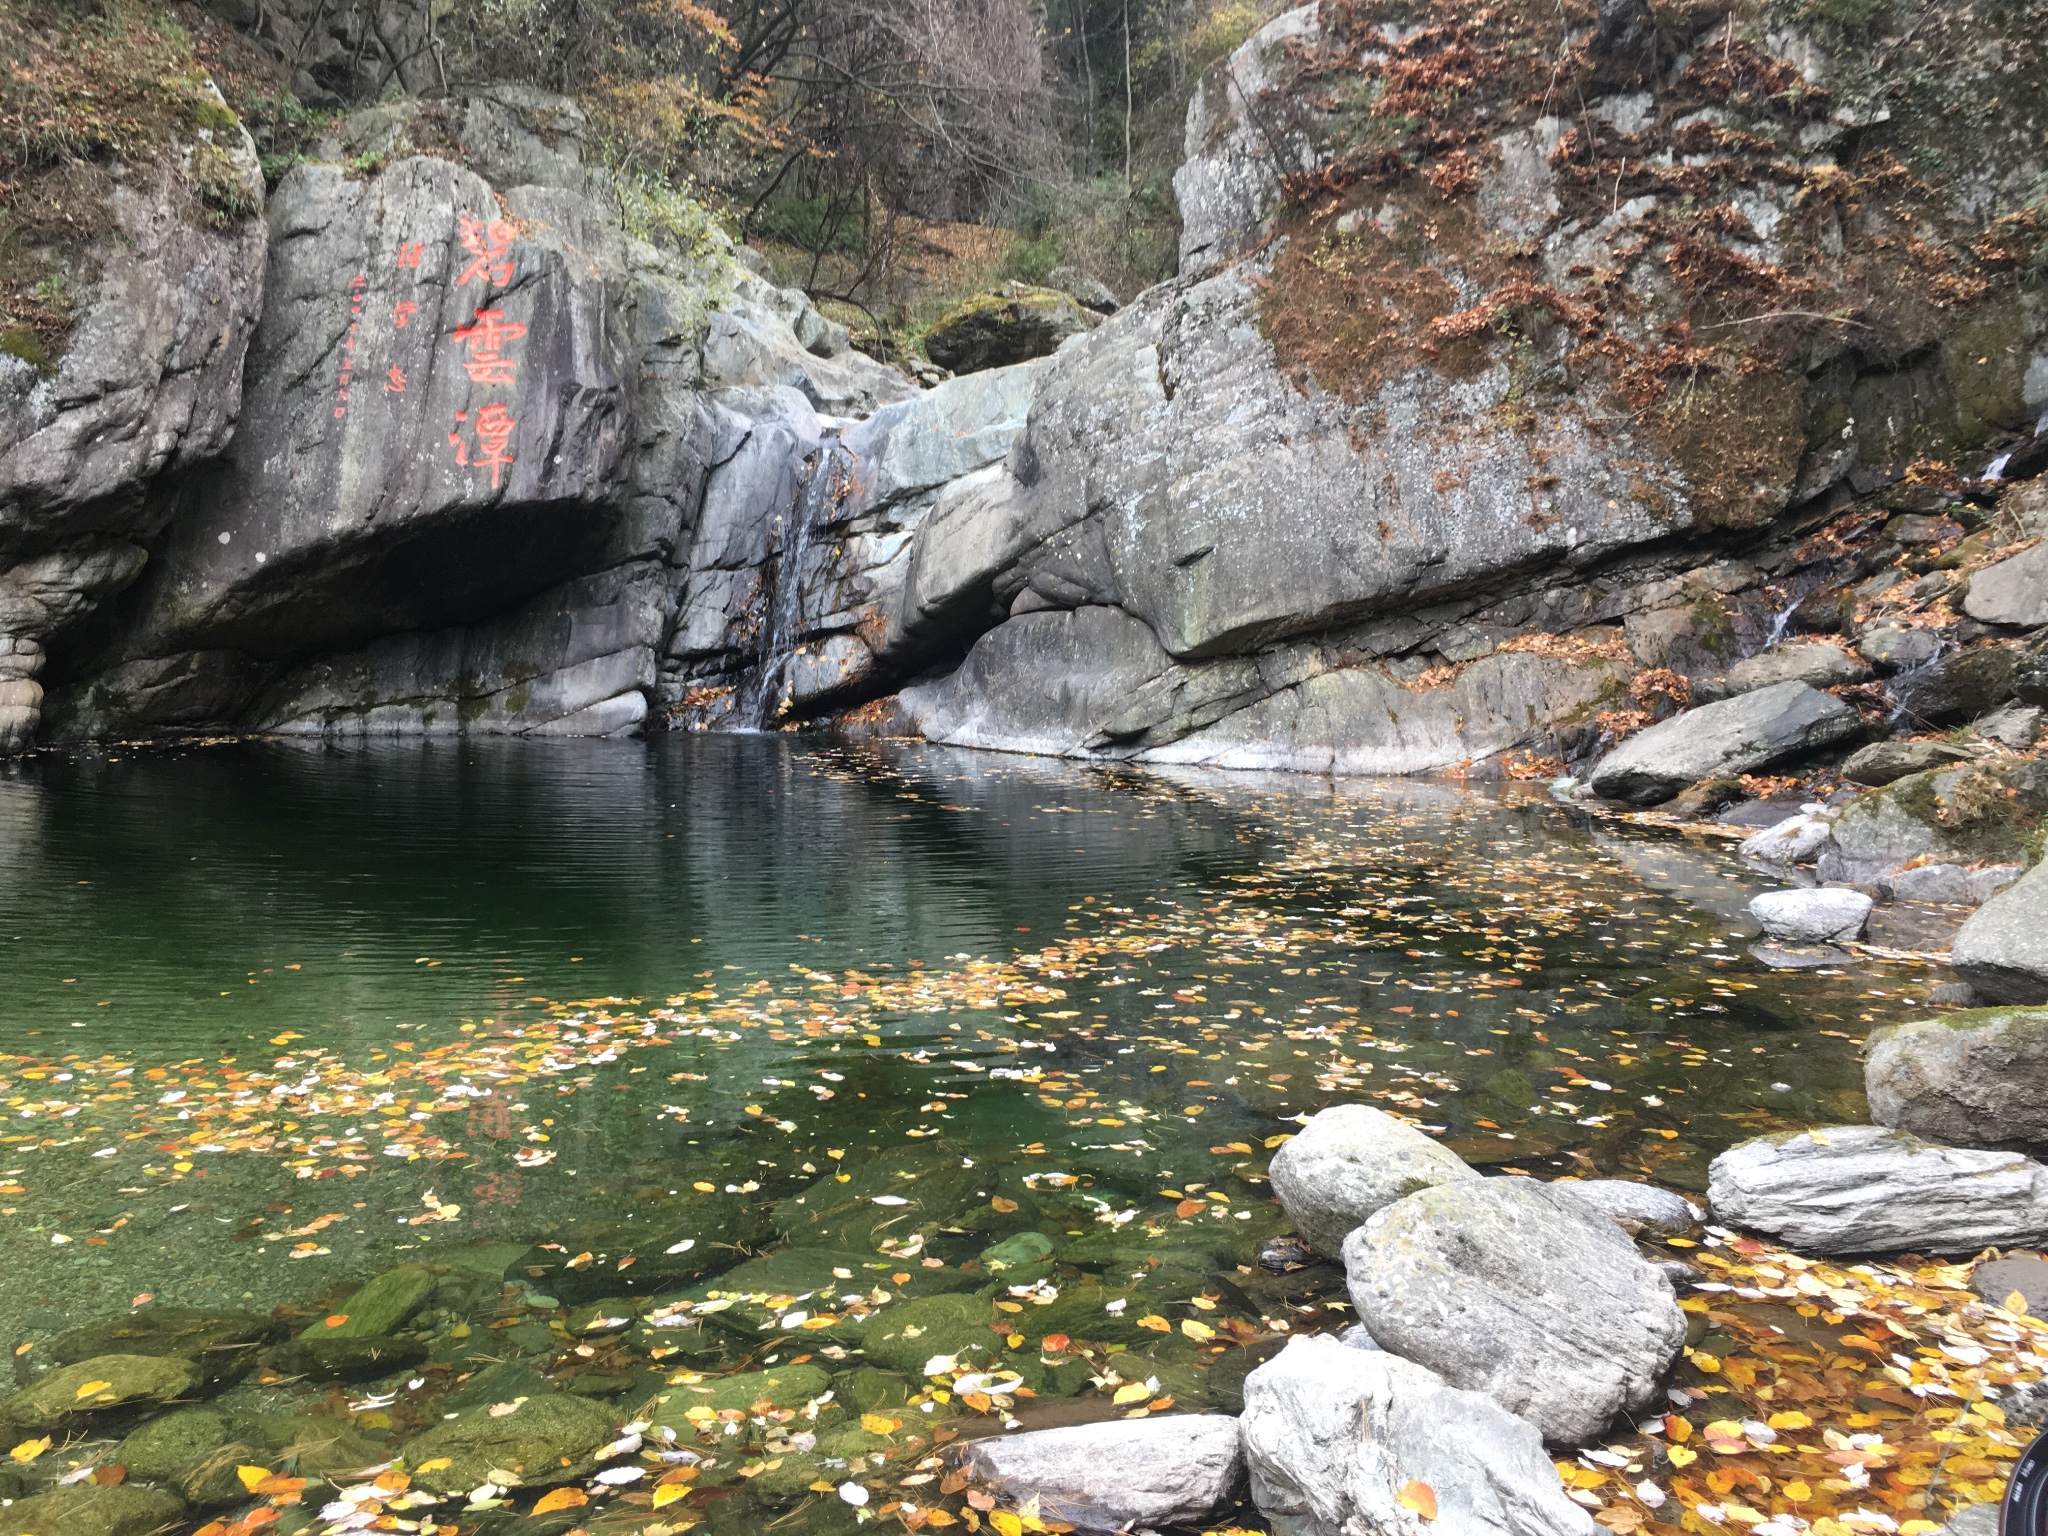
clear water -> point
(271, 986)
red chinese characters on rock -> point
(490, 249)
(357, 285)
(485, 341)
(493, 431)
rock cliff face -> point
(1464, 438)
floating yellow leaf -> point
(1711, 1364)
(1418, 1496)
(880, 1424)
(93, 1387)
(1682, 1455)
(1003, 1523)
(1131, 1392)
(1798, 1492)
(2016, 1303)
(668, 1493)
(1790, 1420)
(435, 1465)
(29, 1450)
(251, 1476)
(1274, 1141)
(1156, 1323)
(561, 1498)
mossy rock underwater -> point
(380, 1307)
(541, 1442)
(106, 1386)
(90, 1510)
(224, 1345)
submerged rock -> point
(1333, 1436)
(167, 1447)
(379, 1307)
(1506, 1287)
(105, 1385)
(2002, 951)
(1349, 1161)
(1868, 1189)
(90, 1510)
(345, 1359)
(544, 1441)
(1971, 1078)
(1112, 1477)
(223, 1345)
(1811, 917)
(1738, 735)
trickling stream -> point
(766, 693)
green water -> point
(256, 995)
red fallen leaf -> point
(1056, 1343)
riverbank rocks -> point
(107, 1384)
(1883, 762)
(1350, 1161)
(1811, 917)
(1869, 1189)
(1738, 735)
(543, 1441)
(1969, 813)
(1815, 663)
(2014, 591)
(1117, 1476)
(1973, 1078)
(1795, 840)
(1333, 1435)
(994, 330)
(1505, 1287)
(2002, 951)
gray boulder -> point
(2017, 726)
(1958, 686)
(2014, 591)
(1112, 1477)
(1869, 1189)
(1738, 735)
(1795, 840)
(1882, 762)
(1505, 1287)
(2002, 951)
(1333, 1436)
(1816, 664)
(1973, 1078)
(1350, 1161)
(1811, 916)
(1635, 1208)
(1088, 291)
(1894, 647)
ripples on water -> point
(886, 960)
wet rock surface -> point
(1350, 1161)
(1738, 735)
(1111, 1477)
(1972, 1078)
(2002, 951)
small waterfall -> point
(762, 700)
(1784, 617)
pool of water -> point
(603, 1020)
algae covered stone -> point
(222, 1344)
(909, 1334)
(345, 1359)
(163, 1448)
(89, 1510)
(550, 1439)
(380, 1307)
(106, 1384)
(995, 330)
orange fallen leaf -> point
(561, 1498)
(1189, 1208)
(1004, 1205)
(1418, 1496)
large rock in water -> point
(1502, 1287)
(1114, 1477)
(1972, 1078)
(106, 1385)
(1350, 1161)
(549, 1439)
(2002, 950)
(91, 1510)
(1333, 1435)
(1811, 916)
(1738, 735)
(1866, 1189)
